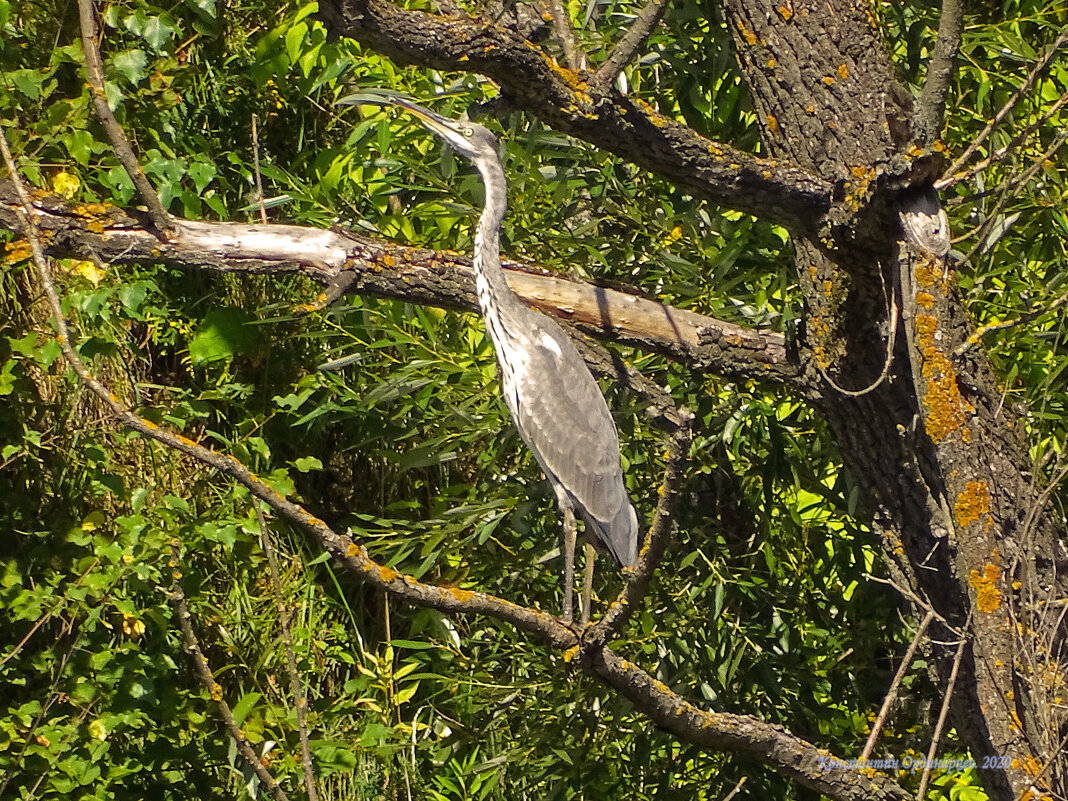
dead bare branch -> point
(215, 690)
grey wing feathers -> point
(564, 419)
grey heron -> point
(553, 399)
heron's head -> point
(469, 139)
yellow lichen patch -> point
(987, 595)
(928, 274)
(748, 35)
(771, 63)
(810, 109)
(925, 299)
(946, 409)
(388, 260)
(827, 79)
(843, 72)
(17, 251)
(569, 654)
(972, 503)
(773, 124)
(388, 574)
(1032, 765)
(785, 12)
(352, 551)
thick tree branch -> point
(351, 263)
(123, 151)
(533, 81)
(931, 107)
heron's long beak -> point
(435, 122)
(380, 97)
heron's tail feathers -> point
(619, 535)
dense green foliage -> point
(762, 605)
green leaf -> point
(157, 32)
(223, 334)
(132, 64)
(307, 463)
(244, 706)
(28, 82)
(205, 7)
(202, 173)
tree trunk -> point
(941, 458)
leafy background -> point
(762, 605)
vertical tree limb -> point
(123, 151)
(931, 107)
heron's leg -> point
(587, 584)
(569, 563)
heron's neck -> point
(493, 289)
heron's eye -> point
(469, 132)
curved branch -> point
(776, 191)
(354, 264)
(931, 107)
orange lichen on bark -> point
(928, 273)
(925, 299)
(843, 72)
(987, 595)
(972, 503)
(828, 80)
(773, 124)
(946, 409)
(747, 34)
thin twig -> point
(285, 619)
(1001, 152)
(944, 712)
(122, 148)
(737, 788)
(1009, 191)
(895, 685)
(1009, 106)
(930, 110)
(655, 541)
(631, 42)
(256, 170)
(215, 690)
(574, 57)
(976, 336)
